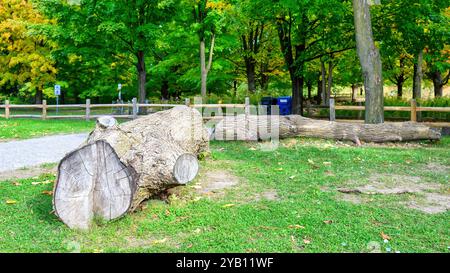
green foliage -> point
(25, 128)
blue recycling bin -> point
(285, 105)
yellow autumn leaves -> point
(25, 58)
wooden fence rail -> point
(134, 106)
(413, 109)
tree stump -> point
(120, 166)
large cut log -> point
(242, 127)
(120, 166)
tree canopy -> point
(172, 49)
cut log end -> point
(185, 168)
(92, 182)
(106, 122)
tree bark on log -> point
(253, 128)
(120, 166)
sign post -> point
(119, 87)
(57, 94)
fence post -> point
(413, 110)
(44, 109)
(359, 111)
(135, 109)
(7, 109)
(332, 110)
(247, 106)
(187, 101)
(88, 109)
(308, 108)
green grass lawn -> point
(29, 128)
(285, 201)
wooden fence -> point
(413, 109)
(134, 106)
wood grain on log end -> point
(186, 168)
(92, 182)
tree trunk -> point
(264, 78)
(38, 96)
(204, 73)
(400, 87)
(369, 57)
(295, 67)
(142, 76)
(319, 91)
(165, 90)
(234, 128)
(354, 89)
(324, 83)
(309, 86)
(120, 166)
(418, 74)
(330, 81)
(297, 92)
(438, 83)
(205, 67)
(251, 74)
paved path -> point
(37, 151)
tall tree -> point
(369, 56)
(127, 27)
(306, 29)
(207, 17)
(25, 58)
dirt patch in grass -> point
(437, 167)
(215, 181)
(431, 203)
(270, 195)
(431, 197)
(27, 172)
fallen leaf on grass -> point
(11, 202)
(306, 241)
(41, 183)
(313, 164)
(296, 227)
(227, 205)
(48, 192)
(385, 236)
(160, 241)
(328, 222)
(292, 177)
(15, 183)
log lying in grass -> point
(120, 166)
(253, 127)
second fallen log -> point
(254, 127)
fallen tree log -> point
(252, 128)
(120, 166)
